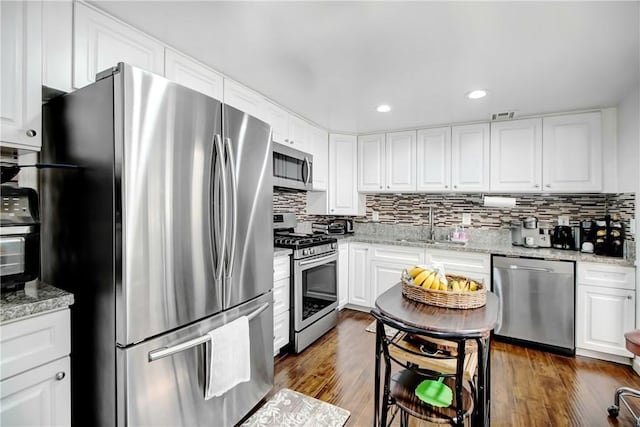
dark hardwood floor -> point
(529, 387)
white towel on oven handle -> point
(229, 357)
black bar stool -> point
(632, 342)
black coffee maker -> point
(562, 237)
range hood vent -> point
(507, 115)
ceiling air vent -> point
(507, 115)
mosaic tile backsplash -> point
(413, 209)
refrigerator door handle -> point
(220, 233)
(186, 345)
(234, 205)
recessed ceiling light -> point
(384, 108)
(477, 94)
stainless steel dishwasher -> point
(537, 297)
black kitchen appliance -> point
(19, 237)
(615, 237)
(608, 236)
(587, 236)
(563, 237)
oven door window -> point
(319, 288)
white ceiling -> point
(334, 62)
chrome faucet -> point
(432, 232)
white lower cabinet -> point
(605, 308)
(359, 283)
(473, 265)
(37, 397)
(281, 301)
(343, 274)
(603, 316)
(35, 387)
(387, 263)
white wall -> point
(629, 142)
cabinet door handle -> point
(60, 375)
(548, 185)
(455, 186)
(628, 296)
(31, 133)
(446, 186)
(387, 186)
(381, 187)
(536, 186)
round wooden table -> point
(473, 324)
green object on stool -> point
(435, 393)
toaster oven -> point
(19, 237)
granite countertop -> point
(492, 248)
(36, 298)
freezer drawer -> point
(170, 391)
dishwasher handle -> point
(519, 267)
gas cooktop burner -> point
(295, 240)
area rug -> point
(388, 330)
(288, 408)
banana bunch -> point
(465, 285)
(427, 279)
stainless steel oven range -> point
(314, 281)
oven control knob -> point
(312, 251)
(334, 245)
(305, 252)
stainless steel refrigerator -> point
(163, 235)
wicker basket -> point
(448, 299)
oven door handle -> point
(318, 260)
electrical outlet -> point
(466, 218)
(563, 220)
(375, 216)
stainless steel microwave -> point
(292, 168)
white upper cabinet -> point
(516, 156)
(244, 99)
(371, 162)
(319, 148)
(299, 131)
(279, 121)
(470, 157)
(101, 42)
(400, 159)
(289, 129)
(572, 153)
(387, 162)
(57, 42)
(192, 74)
(21, 74)
(433, 159)
(343, 191)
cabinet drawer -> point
(31, 342)
(605, 275)
(281, 298)
(410, 256)
(280, 331)
(281, 267)
(461, 261)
